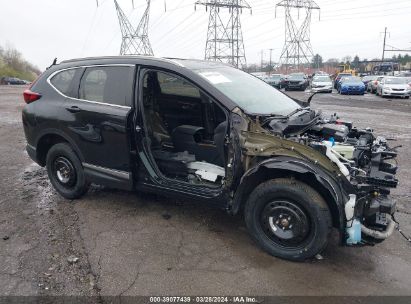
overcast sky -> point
(44, 29)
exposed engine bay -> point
(367, 161)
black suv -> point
(212, 133)
(296, 81)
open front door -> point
(180, 135)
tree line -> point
(12, 64)
(317, 61)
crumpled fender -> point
(337, 190)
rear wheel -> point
(66, 172)
(288, 219)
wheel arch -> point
(319, 181)
(49, 138)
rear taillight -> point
(30, 96)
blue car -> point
(351, 86)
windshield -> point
(395, 81)
(321, 79)
(248, 92)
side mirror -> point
(307, 103)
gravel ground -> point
(119, 243)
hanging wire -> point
(408, 238)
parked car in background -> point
(296, 81)
(319, 73)
(341, 80)
(351, 86)
(11, 81)
(405, 74)
(338, 78)
(367, 79)
(394, 86)
(275, 80)
(372, 85)
(322, 83)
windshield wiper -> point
(270, 117)
(296, 111)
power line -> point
(134, 40)
(225, 37)
(297, 48)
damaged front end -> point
(358, 158)
(369, 164)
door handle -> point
(73, 109)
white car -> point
(322, 83)
(394, 86)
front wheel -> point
(288, 219)
(66, 172)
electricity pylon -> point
(224, 34)
(134, 41)
(297, 48)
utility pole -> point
(134, 40)
(224, 35)
(262, 59)
(297, 48)
(271, 60)
(383, 48)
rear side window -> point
(62, 81)
(111, 85)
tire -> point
(65, 171)
(291, 202)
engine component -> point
(335, 160)
(328, 130)
(381, 235)
(353, 225)
(345, 150)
